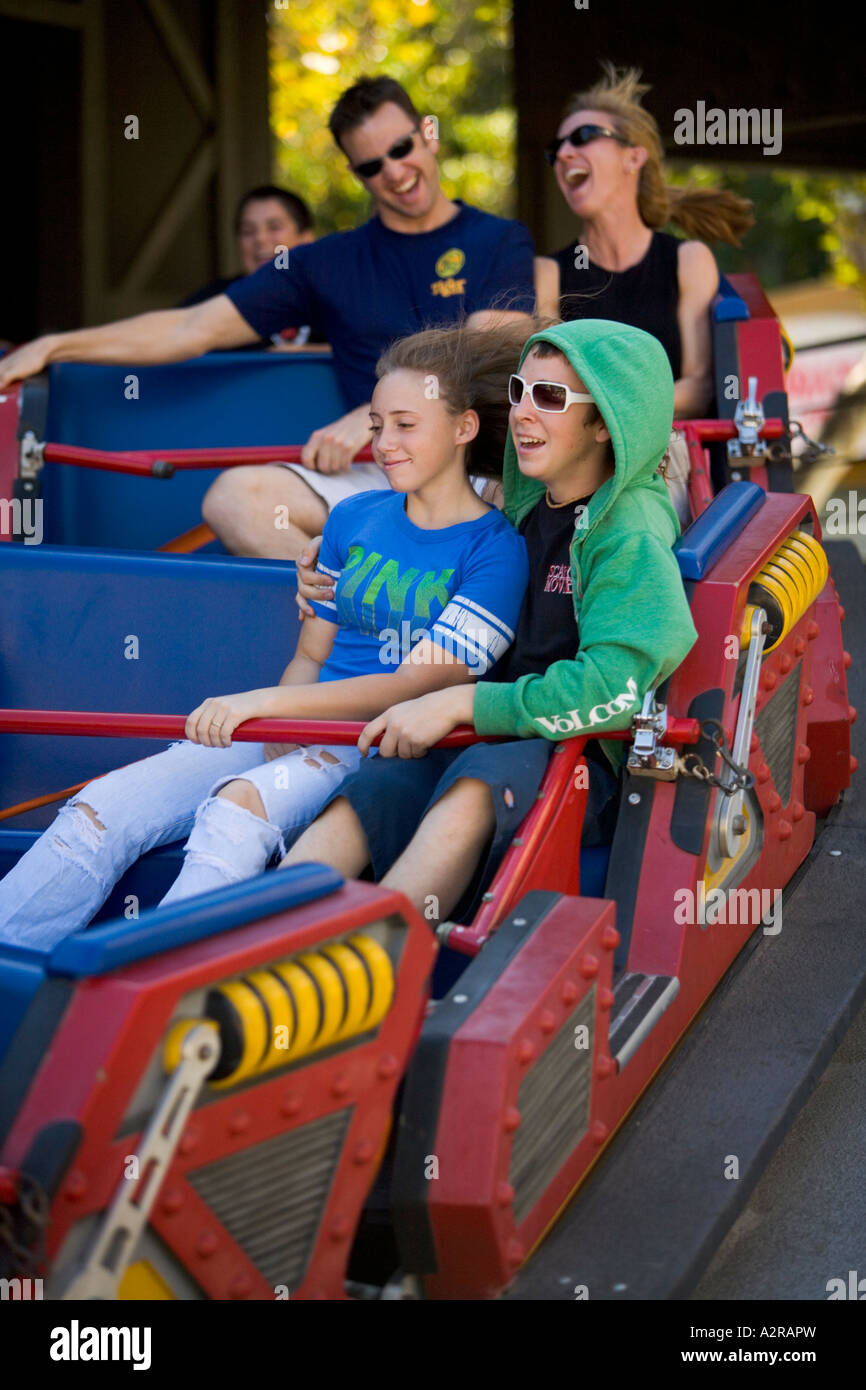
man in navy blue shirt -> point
(421, 259)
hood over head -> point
(628, 374)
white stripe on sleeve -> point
(469, 632)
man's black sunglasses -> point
(580, 136)
(371, 167)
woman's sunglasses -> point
(580, 136)
(371, 167)
(548, 396)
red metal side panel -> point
(116, 1024)
(8, 451)
(479, 1244)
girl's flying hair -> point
(467, 369)
(711, 214)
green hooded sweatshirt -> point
(634, 623)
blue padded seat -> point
(728, 307)
(710, 534)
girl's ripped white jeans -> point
(66, 876)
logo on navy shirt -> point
(447, 267)
(450, 262)
(558, 580)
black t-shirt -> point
(646, 295)
(547, 627)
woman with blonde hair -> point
(608, 160)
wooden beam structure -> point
(106, 225)
(145, 215)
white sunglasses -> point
(549, 396)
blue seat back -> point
(201, 627)
(710, 534)
(226, 398)
(728, 306)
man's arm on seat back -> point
(168, 335)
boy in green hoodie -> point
(605, 619)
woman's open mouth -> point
(575, 177)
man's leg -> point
(444, 852)
(267, 511)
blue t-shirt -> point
(370, 286)
(395, 583)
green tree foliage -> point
(454, 59)
(807, 224)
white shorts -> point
(333, 487)
(361, 477)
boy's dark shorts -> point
(391, 796)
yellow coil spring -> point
(786, 585)
(292, 1008)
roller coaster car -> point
(195, 1103)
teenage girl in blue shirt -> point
(428, 586)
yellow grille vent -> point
(785, 586)
(294, 1007)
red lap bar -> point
(171, 726)
(699, 433)
(161, 463)
(714, 431)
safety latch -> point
(749, 420)
(31, 459)
(646, 756)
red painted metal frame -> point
(536, 857)
(145, 461)
(115, 1024)
(748, 287)
(831, 763)
(112, 725)
(699, 433)
(759, 354)
(478, 1244)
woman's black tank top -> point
(646, 295)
